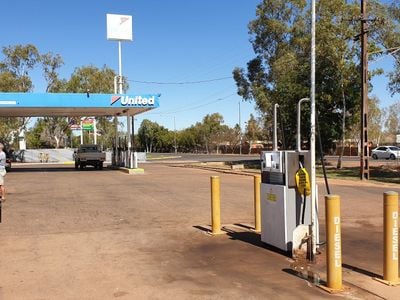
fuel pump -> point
(285, 211)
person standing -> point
(3, 172)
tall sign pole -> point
(119, 28)
(364, 158)
(313, 230)
(120, 84)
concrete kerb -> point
(163, 157)
(137, 171)
(216, 169)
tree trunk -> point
(57, 142)
(250, 145)
(339, 163)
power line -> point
(181, 82)
(195, 107)
(202, 99)
(387, 50)
(386, 55)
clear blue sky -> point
(174, 40)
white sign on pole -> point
(119, 27)
(398, 138)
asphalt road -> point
(191, 157)
(93, 234)
(203, 157)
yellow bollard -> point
(334, 243)
(391, 238)
(215, 205)
(257, 208)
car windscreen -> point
(89, 149)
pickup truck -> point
(89, 154)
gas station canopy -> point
(70, 105)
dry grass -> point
(383, 173)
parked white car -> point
(89, 154)
(387, 152)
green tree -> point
(50, 64)
(18, 61)
(280, 72)
(55, 129)
(190, 139)
(253, 131)
(91, 79)
(147, 134)
(33, 136)
(232, 137)
(164, 141)
(376, 118)
(96, 80)
(219, 137)
(392, 123)
(211, 129)
(387, 34)
(8, 82)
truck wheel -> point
(101, 166)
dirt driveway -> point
(90, 234)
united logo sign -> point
(114, 99)
(133, 101)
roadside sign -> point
(87, 124)
(119, 27)
(75, 127)
(398, 138)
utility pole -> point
(314, 216)
(364, 158)
(240, 132)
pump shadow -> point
(248, 236)
(311, 277)
(245, 226)
(202, 228)
(361, 271)
(254, 239)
